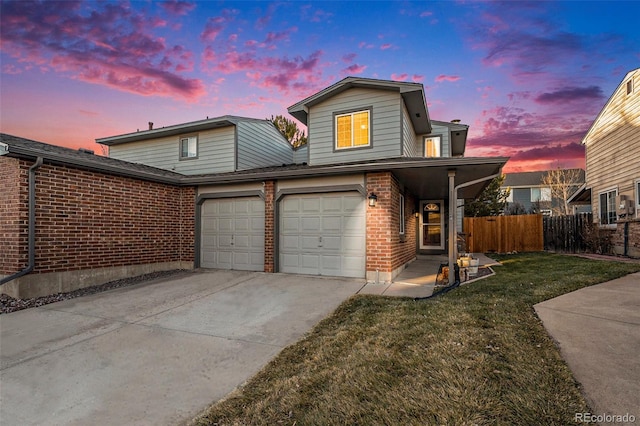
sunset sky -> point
(528, 77)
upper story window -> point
(432, 145)
(608, 214)
(353, 130)
(188, 147)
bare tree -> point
(290, 130)
(562, 184)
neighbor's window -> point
(352, 130)
(432, 146)
(629, 86)
(189, 147)
(608, 213)
(401, 214)
(540, 194)
(638, 194)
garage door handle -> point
(232, 237)
(319, 241)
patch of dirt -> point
(8, 304)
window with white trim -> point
(540, 194)
(401, 210)
(432, 146)
(353, 130)
(607, 207)
(637, 195)
(188, 147)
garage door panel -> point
(232, 234)
(318, 231)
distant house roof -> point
(177, 129)
(458, 136)
(412, 93)
(529, 179)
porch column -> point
(452, 225)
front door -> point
(432, 225)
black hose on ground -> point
(446, 289)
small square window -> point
(188, 147)
(432, 146)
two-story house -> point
(377, 183)
(529, 194)
(612, 184)
(370, 189)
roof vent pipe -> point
(151, 125)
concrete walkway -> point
(156, 353)
(419, 278)
(598, 331)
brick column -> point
(269, 225)
(379, 244)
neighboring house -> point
(612, 184)
(377, 183)
(527, 190)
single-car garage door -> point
(232, 234)
(323, 234)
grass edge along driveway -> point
(478, 355)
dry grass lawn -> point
(475, 356)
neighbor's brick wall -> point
(633, 245)
(269, 225)
(14, 216)
(88, 220)
(385, 250)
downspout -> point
(32, 224)
(453, 202)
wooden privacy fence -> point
(566, 233)
(503, 234)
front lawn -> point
(477, 355)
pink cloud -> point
(416, 78)
(112, 46)
(386, 46)
(178, 7)
(354, 69)
(399, 77)
(443, 77)
(216, 25)
(349, 58)
(365, 45)
(426, 14)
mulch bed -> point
(8, 304)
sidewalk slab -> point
(598, 331)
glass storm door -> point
(432, 225)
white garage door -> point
(323, 234)
(232, 234)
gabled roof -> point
(21, 147)
(606, 106)
(412, 93)
(177, 129)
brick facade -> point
(87, 220)
(14, 214)
(269, 225)
(633, 238)
(386, 249)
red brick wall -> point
(269, 225)
(14, 217)
(633, 244)
(385, 249)
(88, 220)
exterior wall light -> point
(373, 198)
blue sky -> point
(528, 77)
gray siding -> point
(385, 126)
(216, 152)
(411, 143)
(260, 144)
(301, 155)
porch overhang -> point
(431, 182)
(581, 197)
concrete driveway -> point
(155, 353)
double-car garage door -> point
(319, 234)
